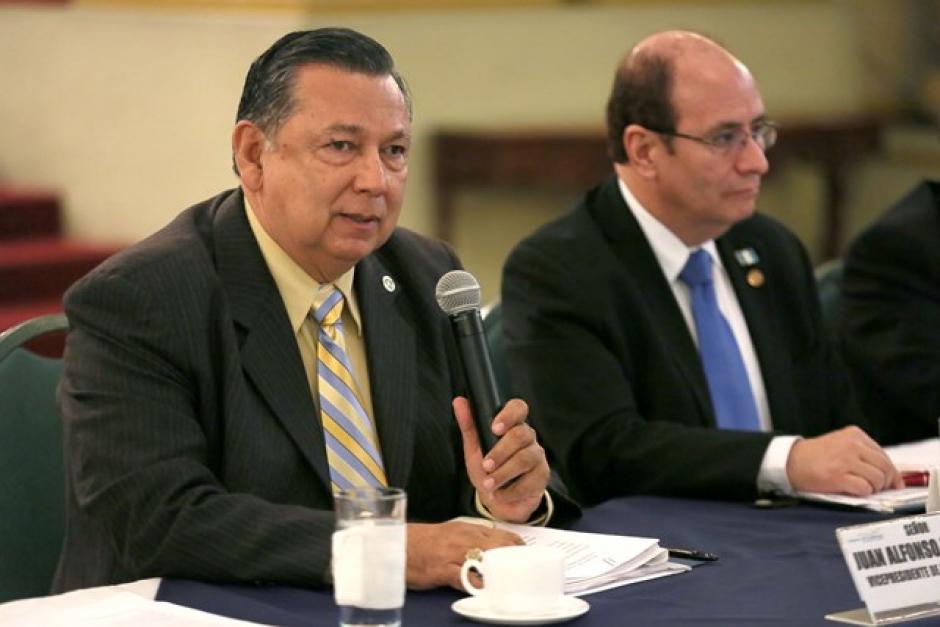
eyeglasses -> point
(729, 140)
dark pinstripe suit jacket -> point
(613, 377)
(193, 446)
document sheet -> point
(595, 562)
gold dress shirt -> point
(298, 289)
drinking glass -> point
(369, 556)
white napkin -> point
(108, 606)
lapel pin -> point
(755, 278)
(746, 257)
(389, 283)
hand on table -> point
(436, 552)
(846, 461)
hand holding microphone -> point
(512, 477)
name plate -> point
(895, 566)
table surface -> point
(778, 566)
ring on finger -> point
(475, 553)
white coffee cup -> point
(518, 579)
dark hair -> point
(641, 94)
(267, 97)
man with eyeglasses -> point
(667, 338)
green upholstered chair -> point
(493, 328)
(32, 480)
(829, 288)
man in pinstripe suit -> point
(192, 438)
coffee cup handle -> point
(465, 578)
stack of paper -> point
(595, 562)
(886, 502)
(921, 455)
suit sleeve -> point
(570, 363)
(891, 329)
(141, 466)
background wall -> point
(129, 111)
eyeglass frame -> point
(758, 133)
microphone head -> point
(457, 291)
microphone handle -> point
(485, 399)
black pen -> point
(691, 554)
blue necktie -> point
(730, 390)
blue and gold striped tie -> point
(351, 444)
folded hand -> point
(846, 461)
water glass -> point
(369, 556)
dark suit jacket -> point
(193, 445)
(599, 348)
(890, 323)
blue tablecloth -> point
(778, 567)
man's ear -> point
(248, 144)
(642, 147)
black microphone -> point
(458, 294)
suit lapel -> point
(757, 300)
(391, 348)
(630, 246)
(270, 357)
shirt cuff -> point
(772, 476)
(547, 505)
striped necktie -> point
(732, 398)
(351, 446)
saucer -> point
(476, 609)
